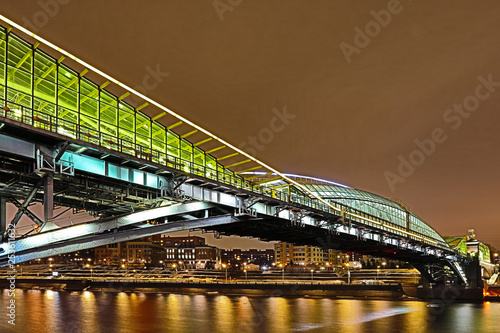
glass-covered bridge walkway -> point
(50, 90)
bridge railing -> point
(72, 130)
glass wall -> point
(377, 206)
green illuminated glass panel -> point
(2, 73)
(109, 99)
(88, 121)
(67, 78)
(18, 97)
(68, 98)
(159, 137)
(126, 118)
(44, 106)
(172, 144)
(127, 135)
(89, 88)
(45, 67)
(67, 114)
(108, 114)
(143, 124)
(108, 129)
(186, 150)
(3, 43)
(89, 98)
(199, 156)
(143, 140)
(45, 90)
(18, 80)
(211, 162)
(20, 54)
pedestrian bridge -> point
(72, 136)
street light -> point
(246, 274)
(312, 274)
(282, 273)
(378, 269)
(383, 264)
(348, 274)
(225, 267)
(175, 267)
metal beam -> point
(99, 226)
(53, 249)
(48, 197)
(25, 204)
(62, 149)
(26, 211)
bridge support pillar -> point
(48, 198)
(473, 273)
(3, 217)
(448, 293)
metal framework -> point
(98, 151)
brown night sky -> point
(355, 115)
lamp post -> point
(246, 274)
(312, 275)
(282, 273)
(225, 267)
(348, 274)
(378, 269)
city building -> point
(132, 253)
(167, 241)
(142, 252)
(290, 254)
(239, 257)
(111, 254)
(188, 252)
(82, 257)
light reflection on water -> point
(74, 312)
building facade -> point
(290, 254)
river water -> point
(74, 312)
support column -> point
(48, 198)
(3, 217)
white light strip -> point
(391, 227)
(164, 108)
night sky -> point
(396, 98)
